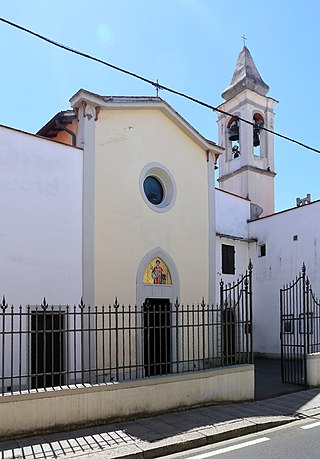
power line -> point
(146, 80)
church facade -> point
(117, 199)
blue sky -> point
(189, 45)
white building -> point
(127, 181)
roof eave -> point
(146, 103)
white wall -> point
(232, 214)
(282, 263)
(41, 219)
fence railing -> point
(47, 346)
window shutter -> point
(228, 259)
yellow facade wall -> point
(64, 137)
(125, 228)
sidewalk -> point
(168, 433)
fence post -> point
(222, 331)
(3, 306)
(250, 267)
(116, 307)
(203, 305)
(305, 322)
(82, 306)
(177, 332)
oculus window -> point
(153, 190)
(228, 259)
(157, 187)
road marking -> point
(231, 448)
(310, 426)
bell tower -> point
(247, 166)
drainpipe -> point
(73, 135)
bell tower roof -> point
(245, 76)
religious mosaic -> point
(157, 272)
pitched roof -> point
(145, 102)
(245, 76)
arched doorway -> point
(157, 290)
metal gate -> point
(236, 320)
(299, 328)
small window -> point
(262, 250)
(295, 237)
(228, 256)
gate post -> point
(281, 335)
(305, 310)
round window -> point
(153, 189)
(157, 187)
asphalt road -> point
(298, 440)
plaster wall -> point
(57, 410)
(282, 263)
(41, 219)
(232, 214)
(241, 261)
(254, 185)
(125, 228)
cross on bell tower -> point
(247, 166)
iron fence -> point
(299, 328)
(61, 346)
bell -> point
(233, 131)
(235, 151)
(256, 136)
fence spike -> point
(81, 304)
(304, 268)
(116, 303)
(4, 304)
(44, 304)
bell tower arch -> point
(247, 166)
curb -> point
(184, 442)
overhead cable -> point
(156, 84)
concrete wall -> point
(58, 410)
(125, 228)
(41, 219)
(313, 370)
(282, 263)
